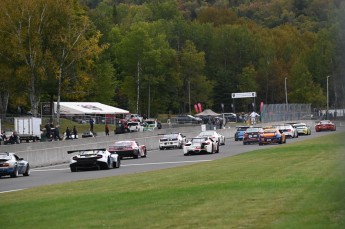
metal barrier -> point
(286, 112)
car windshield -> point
(207, 133)
(325, 122)
(170, 136)
(300, 125)
(253, 129)
(270, 131)
(132, 124)
(198, 140)
(5, 156)
(89, 152)
(282, 127)
(242, 128)
(127, 144)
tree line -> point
(164, 56)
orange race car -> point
(271, 135)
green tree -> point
(302, 89)
(134, 52)
(196, 88)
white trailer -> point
(28, 128)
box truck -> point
(28, 128)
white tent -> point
(87, 108)
(207, 112)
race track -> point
(157, 159)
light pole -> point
(190, 111)
(327, 98)
(286, 99)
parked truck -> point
(28, 128)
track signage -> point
(243, 95)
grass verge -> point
(299, 185)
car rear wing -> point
(81, 150)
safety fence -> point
(286, 112)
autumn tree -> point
(45, 38)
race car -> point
(213, 135)
(200, 145)
(302, 128)
(173, 140)
(271, 135)
(93, 159)
(287, 129)
(128, 148)
(12, 165)
(240, 132)
(325, 125)
(251, 135)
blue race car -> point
(240, 132)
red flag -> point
(200, 108)
(196, 108)
(261, 106)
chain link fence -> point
(286, 112)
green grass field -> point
(297, 185)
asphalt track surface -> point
(155, 160)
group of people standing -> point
(53, 133)
(12, 139)
(71, 134)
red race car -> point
(325, 125)
(128, 148)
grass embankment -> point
(300, 185)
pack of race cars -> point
(206, 142)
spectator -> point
(91, 124)
(253, 116)
(106, 130)
(56, 133)
(48, 130)
(14, 139)
(3, 137)
(75, 132)
(68, 133)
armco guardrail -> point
(50, 153)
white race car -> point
(93, 159)
(288, 130)
(199, 145)
(213, 135)
(173, 140)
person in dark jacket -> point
(48, 130)
(106, 130)
(57, 133)
(75, 132)
(68, 133)
(91, 125)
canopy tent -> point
(207, 112)
(87, 108)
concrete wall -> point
(50, 153)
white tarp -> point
(87, 108)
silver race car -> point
(11, 164)
(93, 159)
